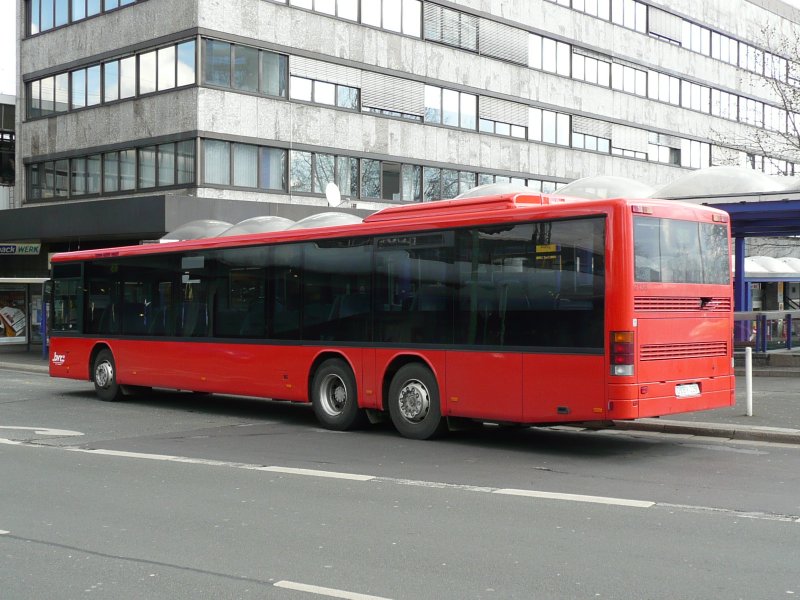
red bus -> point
(520, 309)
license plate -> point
(685, 390)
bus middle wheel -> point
(414, 403)
(334, 396)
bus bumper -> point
(639, 400)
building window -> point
(147, 167)
(217, 162)
(664, 88)
(272, 168)
(549, 127)
(591, 142)
(549, 55)
(322, 92)
(123, 170)
(113, 80)
(166, 165)
(217, 63)
(630, 14)
(500, 128)
(661, 148)
(629, 79)
(449, 107)
(244, 68)
(400, 16)
(591, 70)
(300, 171)
(44, 15)
(627, 153)
(695, 96)
(695, 155)
(450, 27)
(724, 105)
(347, 176)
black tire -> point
(414, 403)
(334, 396)
(104, 375)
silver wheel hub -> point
(104, 374)
(414, 401)
(333, 395)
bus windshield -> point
(673, 251)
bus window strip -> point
(581, 316)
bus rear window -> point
(673, 251)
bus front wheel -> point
(414, 403)
(334, 396)
(104, 374)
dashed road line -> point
(577, 498)
(323, 591)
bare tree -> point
(776, 135)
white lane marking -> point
(43, 430)
(323, 591)
(315, 473)
(4, 532)
(577, 498)
(222, 463)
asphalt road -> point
(175, 495)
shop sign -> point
(18, 248)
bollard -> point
(748, 379)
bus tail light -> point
(622, 351)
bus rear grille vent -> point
(676, 351)
(676, 303)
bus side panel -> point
(267, 371)
(69, 357)
(563, 387)
(485, 385)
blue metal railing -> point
(764, 330)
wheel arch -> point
(98, 347)
(321, 358)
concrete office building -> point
(135, 116)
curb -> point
(770, 372)
(723, 430)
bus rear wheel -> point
(104, 374)
(414, 403)
(335, 398)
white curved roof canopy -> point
(774, 266)
(326, 219)
(492, 189)
(715, 181)
(263, 224)
(792, 261)
(193, 230)
(606, 186)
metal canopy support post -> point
(740, 300)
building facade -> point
(136, 116)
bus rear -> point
(670, 342)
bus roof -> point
(429, 215)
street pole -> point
(748, 378)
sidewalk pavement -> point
(776, 405)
